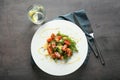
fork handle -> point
(95, 53)
(99, 52)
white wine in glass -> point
(36, 14)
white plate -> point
(48, 65)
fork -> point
(98, 53)
(98, 50)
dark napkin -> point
(82, 19)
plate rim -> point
(38, 65)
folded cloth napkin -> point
(83, 22)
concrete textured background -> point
(16, 32)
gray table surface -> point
(16, 32)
